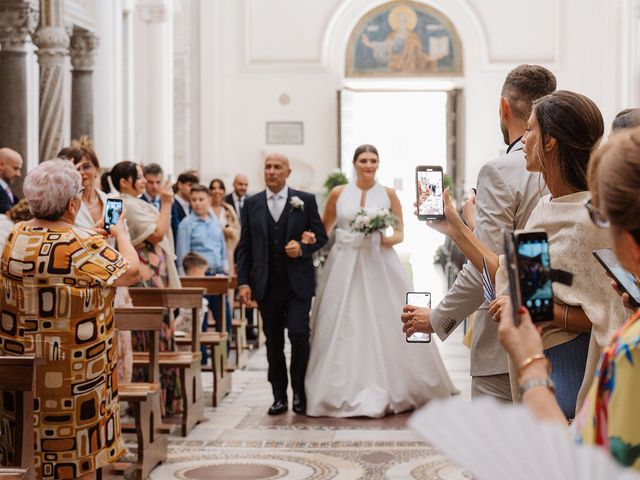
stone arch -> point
(468, 26)
(404, 38)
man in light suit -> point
(10, 169)
(276, 269)
(506, 195)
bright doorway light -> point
(408, 128)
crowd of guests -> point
(56, 250)
(62, 273)
(581, 367)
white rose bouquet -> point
(370, 220)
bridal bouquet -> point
(370, 220)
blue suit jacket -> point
(253, 249)
(5, 201)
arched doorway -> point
(403, 73)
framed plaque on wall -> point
(285, 133)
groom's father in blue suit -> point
(276, 269)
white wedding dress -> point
(360, 363)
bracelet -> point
(565, 314)
(538, 382)
(529, 360)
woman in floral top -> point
(609, 417)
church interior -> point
(215, 87)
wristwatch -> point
(537, 382)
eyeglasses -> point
(597, 218)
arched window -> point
(404, 39)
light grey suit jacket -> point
(507, 194)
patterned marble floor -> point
(240, 441)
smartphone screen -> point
(112, 212)
(429, 190)
(534, 274)
(419, 299)
(625, 280)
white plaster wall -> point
(252, 51)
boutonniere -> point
(296, 203)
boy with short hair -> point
(194, 265)
(201, 233)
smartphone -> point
(534, 273)
(429, 190)
(112, 212)
(419, 299)
(625, 280)
(512, 271)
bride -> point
(360, 363)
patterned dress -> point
(610, 416)
(57, 304)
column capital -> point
(153, 12)
(52, 42)
(18, 21)
(82, 49)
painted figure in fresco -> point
(402, 50)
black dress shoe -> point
(299, 403)
(278, 407)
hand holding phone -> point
(624, 280)
(429, 192)
(419, 299)
(529, 269)
(112, 212)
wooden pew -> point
(215, 341)
(13, 474)
(187, 363)
(239, 327)
(18, 376)
(239, 313)
(145, 397)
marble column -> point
(17, 23)
(52, 41)
(82, 51)
(153, 42)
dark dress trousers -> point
(282, 286)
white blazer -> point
(507, 194)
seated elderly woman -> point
(610, 416)
(58, 283)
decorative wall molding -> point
(256, 65)
(496, 60)
(153, 12)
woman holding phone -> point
(562, 131)
(609, 416)
(92, 215)
(363, 285)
